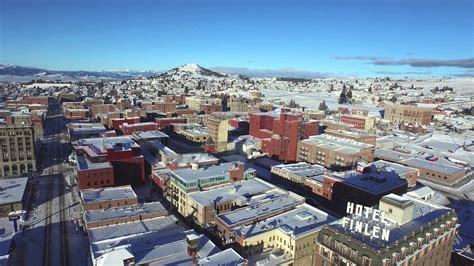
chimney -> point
(192, 239)
(362, 167)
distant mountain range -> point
(22, 73)
(184, 72)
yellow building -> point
(292, 233)
(238, 106)
(17, 150)
(217, 130)
(399, 113)
(191, 191)
(195, 102)
(194, 135)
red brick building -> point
(101, 109)
(210, 108)
(130, 129)
(117, 122)
(103, 162)
(358, 121)
(413, 128)
(281, 131)
(166, 122)
(161, 107)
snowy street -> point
(50, 235)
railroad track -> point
(63, 226)
(48, 227)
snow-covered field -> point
(312, 100)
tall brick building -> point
(103, 162)
(281, 131)
(399, 113)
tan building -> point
(198, 135)
(238, 106)
(17, 150)
(436, 172)
(193, 193)
(195, 102)
(333, 151)
(217, 131)
(161, 107)
(358, 136)
(103, 198)
(101, 109)
(76, 114)
(297, 172)
(413, 232)
(359, 121)
(336, 125)
(13, 195)
(292, 234)
(398, 113)
(124, 214)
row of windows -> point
(15, 133)
(98, 175)
(101, 182)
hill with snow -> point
(188, 71)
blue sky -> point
(345, 38)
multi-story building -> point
(138, 127)
(123, 214)
(281, 131)
(413, 128)
(359, 121)
(238, 106)
(13, 197)
(194, 134)
(408, 173)
(156, 241)
(76, 113)
(209, 108)
(436, 172)
(117, 122)
(199, 103)
(402, 231)
(366, 185)
(103, 162)
(77, 131)
(358, 136)
(177, 184)
(164, 123)
(98, 109)
(258, 208)
(217, 132)
(103, 198)
(291, 235)
(161, 107)
(297, 172)
(177, 127)
(399, 113)
(17, 150)
(204, 206)
(43, 100)
(334, 152)
(335, 125)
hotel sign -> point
(362, 220)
